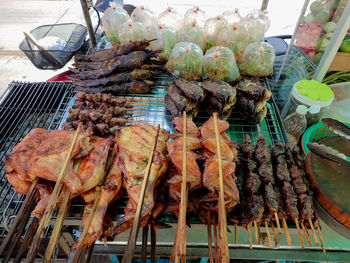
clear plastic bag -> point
(195, 15)
(257, 60)
(256, 13)
(193, 33)
(186, 61)
(232, 16)
(235, 37)
(219, 64)
(255, 27)
(170, 17)
(144, 16)
(166, 38)
(132, 31)
(212, 28)
(112, 19)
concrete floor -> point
(18, 16)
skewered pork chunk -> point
(253, 183)
(278, 149)
(306, 206)
(299, 186)
(282, 172)
(261, 152)
(255, 208)
(291, 200)
(248, 148)
(271, 198)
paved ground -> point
(18, 16)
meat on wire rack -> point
(45, 105)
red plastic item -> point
(62, 76)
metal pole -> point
(88, 22)
(264, 5)
(334, 44)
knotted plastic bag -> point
(212, 28)
(170, 17)
(144, 16)
(195, 15)
(132, 31)
(166, 39)
(112, 19)
(193, 33)
(232, 16)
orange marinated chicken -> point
(22, 187)
(135, 143)
(45, 190)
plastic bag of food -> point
(144, 16)
(193, 33)
(256, 13)
(131, 31)
(112, 19)
(212, 28)
(186, 61)
(257, 60)
(219, 63)
(170, 17)
(235, 37)
(166, 38)
(255, 27)
(232, 16)
(195, 15)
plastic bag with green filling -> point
(144, 16)
(112, 19)
(132, 31)
(194, 34)
(186, 61)
(257, 60)
(212, 27)
(219, 64)
(235, 37)
(166, 38)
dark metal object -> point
(321, 151)
(88, 22)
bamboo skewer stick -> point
(135, 116)
(138, 108)
(181, 251)
(13, 236)
(153, 244)
(58, 225)
(249, 236)
(299, 233)
(135, 121)
(216, 248)
(313, 231)
(26, 242)
(224, 252)
(52, 203)
(260, 235)
(306, 233)
(278, 223)
(268, 234)
(256, 233)
(321, 239)
(210, 241)
(144, 244)
(236, 239)
(274, 234)
(286, 232)
(130, 249)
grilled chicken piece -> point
(253, 89)
(22, 187)
(135, 143)
(191, 89)
(109, 192)
(45, 191)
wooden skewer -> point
(153, 244)
(268, 234)
(138, 108)
(256, 233)
(274, 234)
(250, 237)
(224, 255)
(135, 121)
(278, 223)
(130, 249)
(299, 233)
(286, 232)
(58, 225)
(33, 250)
(26, 242)
(144, 244)
(313, 231)
(321, 239)
(260, 235)
(11, 240)
(210, 241)
(306, 233)
(136, 103)
(236, 239)
(216, 248)
(135, 116)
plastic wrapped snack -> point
(132, 31)
(166, 38)
(170, 17)
(186, 61)
(232, 16)
(255, 27)
(112, 19)
(257, 60)
(212, 27)
(193, 33)
(195, 15)
(219, 64)
(144, 16)
(235, 37)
